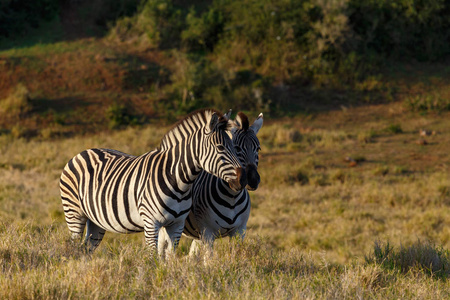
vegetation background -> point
(355, 192)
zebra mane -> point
(200, 114)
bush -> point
(237, 53)
(232, 58)
(197, 82)
(204, 31)
(118, 116)
(158, 22)
(401, 28)
(187, 80)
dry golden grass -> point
(16, 103)
(314, 218)
(46, 265)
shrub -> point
(118, 116)
(401, 28)
(187, 80)
(203, 32)
(285, 41)
(158, 22)
(239, 52)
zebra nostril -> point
(252, 177)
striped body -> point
(217, 210)
(112, 191)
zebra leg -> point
(94, 235)
(173, 232)
(195, 247)
(151, 233)
(163, 241)
(206, 242)
(241, 232)
(209, 250)
(75, 222)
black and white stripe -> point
(217, 210)
(112, 191)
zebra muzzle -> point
(241, 180)
(253, 178)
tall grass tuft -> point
(421, 256)
(428, 102)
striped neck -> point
(187, 127)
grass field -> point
(353, 203)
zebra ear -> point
(228, 114)
(241, 121)
(237, 123)
(256, 126)
(214, 121)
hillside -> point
(87, 67)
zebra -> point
(108, 190)
(217, 210)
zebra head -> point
(247, 146)
(220, 157)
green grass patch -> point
(424, 257)
(428, 103)
(394, 129)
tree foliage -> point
(255, 54)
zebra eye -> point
(220, 148)
(238, 149)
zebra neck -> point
(178, 168)
(183, 148)
(227, 191)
